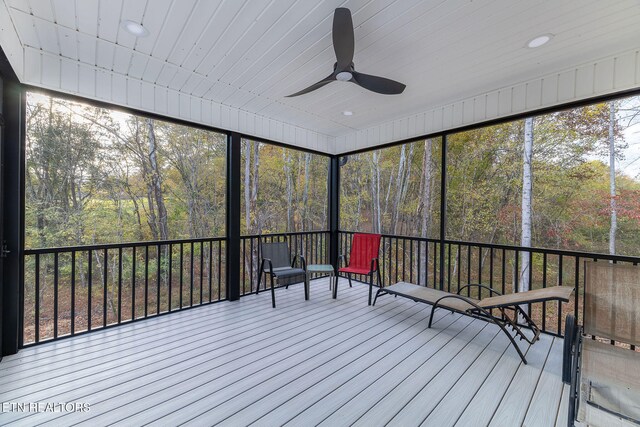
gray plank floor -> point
(317, 362)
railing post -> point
(11, 209)
(334, 209)
(443, 206)
(233, 216)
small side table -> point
(323, 268)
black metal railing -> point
(313, 245)
(72, 290)
(417, 260)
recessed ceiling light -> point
(134, 28)
(539, 41)
(347, 113)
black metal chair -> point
(276, 263)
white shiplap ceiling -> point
(241, 57)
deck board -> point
(322, 361)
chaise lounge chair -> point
(508, 306)
(605, 378)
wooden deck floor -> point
(317, 362)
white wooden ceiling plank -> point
(87, 80)
(313, 26)
(104, 55)
(266, 42)
(51, 71)
(64, 12)
(166, 75)
(122, 59)
(33, 65)
(109, 19)
(267, 23)
(153, 20)
(625, 70)
(19, 5)
(179, 79)
(192, 82)
(138, 65)
(68, 40)
(86, 48)
(26, 28)
(42, 9)
(134, 93)
(132, 10)
(242, 23)
(152, 71)
(87, 16)
(69, 76)
(48, 35)
(173, 27)
(204, 15)
(238, 98)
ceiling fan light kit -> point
(343, 70)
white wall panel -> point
(597, 78)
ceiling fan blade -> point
(343, 41)
(378, 84)
(314, 86)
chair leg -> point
(273, 293)
(370, 287)
(334, 278)
(259, 277)
(378, 292)
(306, 287)
(349, 277)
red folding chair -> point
(363, 260)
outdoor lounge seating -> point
(276, 263)
(604, 377)
(363, 259)
(508, 306)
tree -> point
(527, 192)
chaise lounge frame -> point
(508, 306)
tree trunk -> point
(286, 157)
(247, 186)
(305, 195)
(425, 207)
(612, 179)
(527, 190)
(156, 180)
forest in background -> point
(571, 200)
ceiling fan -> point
(343, 69)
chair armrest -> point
(270, 265)
(304, 262)
(374, 265)
(477, 285)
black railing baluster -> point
(170, 278)
(576, 287)
(210, 272)
(560, 284)
(89, 285)
(119, 285)
(159, 275)
(201, 269)
(242, 266)
(105, 286)
(73, 292)
(435, 265)
(37, 300)
(181, 274)
(468, 269)
(504, 271)
(220, 270)
(530, 274)
(449, 267)
(133, 283)
(544, 285)
(251, 264)
(191, 275)
(459, 265)
(491, 268)
(146, 281)
(479, 269)
(55, 294)
(419, 263)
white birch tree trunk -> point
(527, 190)
(612, 180)
(425, 207)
